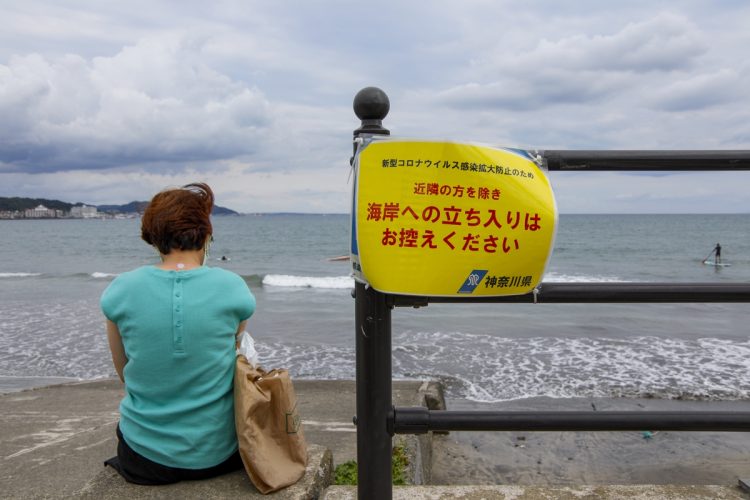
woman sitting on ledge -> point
(171, 329)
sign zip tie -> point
(358, 141)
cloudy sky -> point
(107, 102)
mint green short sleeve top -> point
(178, 330)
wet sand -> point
(595, 458)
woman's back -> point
(178, 330)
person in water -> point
(717, 253)
(172, 331)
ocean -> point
(52, 273)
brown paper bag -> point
(269, 429)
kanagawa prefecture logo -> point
(471, 283)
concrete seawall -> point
(53, 441)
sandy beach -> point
(570, 458)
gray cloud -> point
(700, 91)
(580, 68)
(155, 101)
(665, 42)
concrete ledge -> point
(54, 439)
(108, 484)
(507, 492)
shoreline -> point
(12, 383)
(17, 383)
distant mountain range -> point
(13, 204)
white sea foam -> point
(78, 349)
(102, 275)
(19, 275)
(488, 369)
(478, 367)
(309, 361)
(553, 277)
(285, 280)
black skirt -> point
(136, 468)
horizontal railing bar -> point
(419, 420)
(674, 160)
(601, 293)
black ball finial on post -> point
(371, 105)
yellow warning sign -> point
(450, 219)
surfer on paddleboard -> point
(717, 256)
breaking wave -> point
(285, 280)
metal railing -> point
(377, 420)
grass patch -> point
(400, 462)
(346, 473)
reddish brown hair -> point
(179, 218)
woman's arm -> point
(237, 334)
(119, 359)
(241, 328)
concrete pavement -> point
(515, 492)
(53, 441)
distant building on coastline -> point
(42, 212)
(84, 212)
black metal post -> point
(419, 420)
(611, 293)
(646, 160)
(373, 345)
